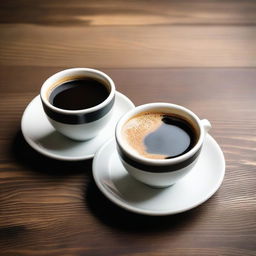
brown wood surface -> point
(200, 54)
(128, 34)
(51, 207)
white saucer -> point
(41, 136)
(194, 189)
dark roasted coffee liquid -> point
(79, 94)
(174, 137)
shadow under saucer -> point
(37, 162)
(116, 217)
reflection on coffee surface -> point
(79, 94)
(159, 135)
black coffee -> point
(79, 94)
(174, 137)
(159, 136)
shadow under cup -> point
(161, 172)
(79, 124)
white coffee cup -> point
(82, 124)
(161, 172)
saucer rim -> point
(54, 156)
(125, 205)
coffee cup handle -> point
(206, 124)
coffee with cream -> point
(158, 135)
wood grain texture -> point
(128, 34)
(128, 13)
(158, 46)
(50, 207)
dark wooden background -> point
(200, 54)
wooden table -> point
(199, 54)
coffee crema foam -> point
(137, 128)
(158, 135)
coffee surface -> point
(158, 135)
(79, 94)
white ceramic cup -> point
(81, 124)
(161, 172)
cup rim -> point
(70, 71)
(158, 162)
